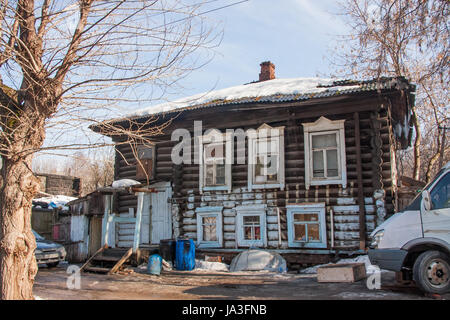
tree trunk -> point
(417, 141)
(17, 243)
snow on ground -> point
(58, 201)
(210, 266)
(296, 86)
(370, 269)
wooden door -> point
(160, 213)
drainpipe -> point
(332, 228)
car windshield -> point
(38, 236)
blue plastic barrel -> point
(185, 255)
(154, 264)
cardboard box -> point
(349, 272)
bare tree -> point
(405, 38)
(66, 64)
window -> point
(266, 158)
(306, 225)
(145, 162)
(440, 195)
(209, 227)
(325, 153)
(251, 226)
(215, 164)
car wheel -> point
(52, 265)
(432, 272)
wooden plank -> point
(351, 272)
(97, 269)
(93, 256)
(137, 229)
(121, 261)
(362, 210)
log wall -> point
(372, 154)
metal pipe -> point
(279, 227)
(332, 228)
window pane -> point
(220, 174)
(324, 141)
(252, 233)
(145, 153)
(267, 146)
(257, 233)
(302, 217)
(318, 167)
(248, 233)
(272, 168)
(300, 232)
(251, 219)
(209, 174)
(313, 232)
(214, 150)
(209, 229)
(332, 163)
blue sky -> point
(296, 35)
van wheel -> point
(432, 272)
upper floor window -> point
(325, 152)
(215, 161)
(145, 168)
(266, 157)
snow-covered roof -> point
(56, 201)
(270, 91)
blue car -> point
(48, 252)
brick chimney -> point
(267, 71)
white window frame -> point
(209, 212)
(319, 127)
(252, 143)
(306, 208)
(253, 210)
(227, 141)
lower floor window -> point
(306, 225)
(251, 226)
(209, 227)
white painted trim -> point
(251, 210)
(227, 139)
(252, 139)
(209, 212)
(325, 126)
(319, 208)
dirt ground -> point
(51, 284)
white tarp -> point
(258, 260)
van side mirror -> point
(426, 200)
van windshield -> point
(415, 203)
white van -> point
(416, 241)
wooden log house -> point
(335, 150)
